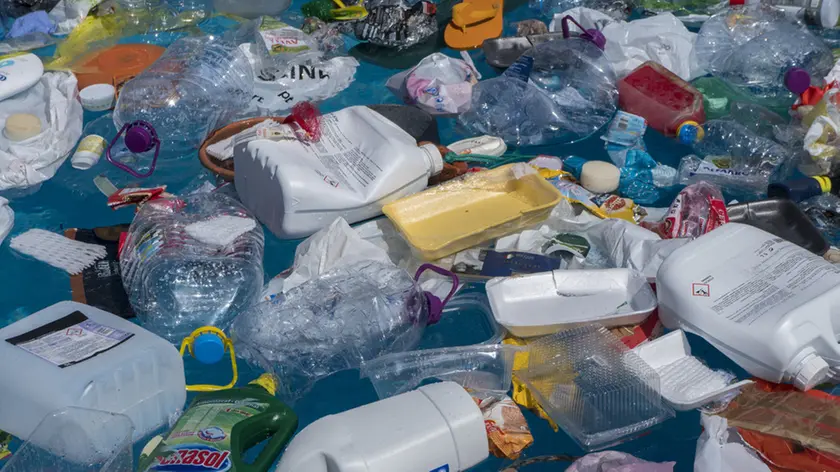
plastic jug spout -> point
(811, 371)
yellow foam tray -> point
(459, 214)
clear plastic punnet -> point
(594, 387)
(198, 84)
(332, 323)
(77, 440)
(485, 367)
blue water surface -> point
(70, 200)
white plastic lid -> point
(829, 13)
(813, 370)
(434, 158)
(97, 97)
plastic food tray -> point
(464, 213)
(594, 387)
(782, 218)
(548, 302)
(678, 379)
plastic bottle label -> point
(280, 38)
(93, 144)
(201, 439)
(783, 276)
(70, 340)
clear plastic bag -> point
(479, 367)
(332, 323)
(439, 84)
(698, 209)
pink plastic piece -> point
(307, 117)
(661, 97)
(698, 209)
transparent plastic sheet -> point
(394, 23)
(182, 90)
(753, 47)
(174, 282)
(26, 42)
(498, 202)
(736, 159)
(594, 387)
(77, 440)
(438, 84)
(484, 367)
(615, 461)
(332, 323)
(824, 211)
(809, 418)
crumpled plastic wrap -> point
(392, 23)
(439, 84)
(752, 47)
(615, 461)
(332, 323)
(698, 209)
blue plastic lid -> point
(688, 133)
(208, 348)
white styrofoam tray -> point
(680, 372)
(548, 302)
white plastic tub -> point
(683, 380)
(548, 302)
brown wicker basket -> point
(224, 169)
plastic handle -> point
(593, 35)
(435, 304)
(120, 165)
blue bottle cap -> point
(690, 132)
(208, 348)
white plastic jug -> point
(361, 162)
(75, 355)
(436, 428)
(770, 305)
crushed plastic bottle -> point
(198, 84)
(756, 48)
(177, 279)
(331, 323)
(735, 158)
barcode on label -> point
(623, 123)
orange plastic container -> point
(115, 65)
(660, 97)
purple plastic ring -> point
(435, 304)
(140, 136)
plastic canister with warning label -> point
(768, 304)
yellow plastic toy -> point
(473, 22)
(208, 344)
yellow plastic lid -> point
(268, 382)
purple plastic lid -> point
(597, 37)
(140, 137)
(797, 80)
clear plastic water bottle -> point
(177, 283)
(198, 84)
(760, 52)
(142, 16)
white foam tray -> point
(671, 348)
(548, 302)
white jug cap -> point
(434, 158)
(813, 370)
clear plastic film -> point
(331, 323)
(395, 23)
(485, 367)
(477, 207)
(77, 440)
(175, 281)
(810, 418)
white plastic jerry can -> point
(436, 428)
(770, 305)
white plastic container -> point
(88, 152)
(97, 97)
(768, 304)
(19, 73)
(684, 381)
(548, 302)
(436, 428)
(362, 162)
(86, 358)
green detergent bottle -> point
(217, 429)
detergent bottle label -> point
(201, 441)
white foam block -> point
(58, 251)
(221, 230)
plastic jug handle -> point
(153, 141)
(596, 37)
(435, 304)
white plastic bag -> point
(587, 17)
(661, 38)
(314, 82)
(632, 247)
(34, 160)
(720, 450)
(438, 84)
(334, 246)
(7, 219)
(67, 14)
